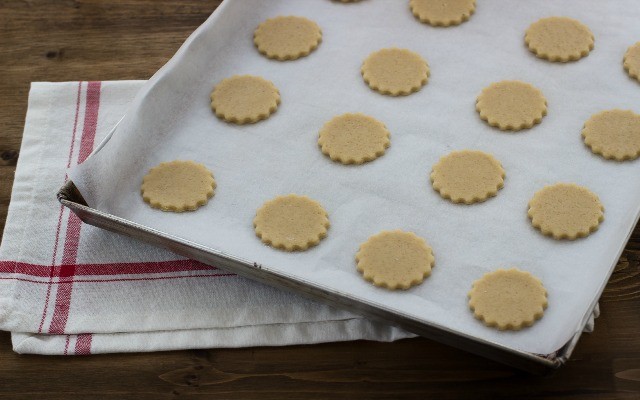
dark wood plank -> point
(60, 40)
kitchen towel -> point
(70, 288)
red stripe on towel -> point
(111, 269)
(83, 344)
(66, 344)
(72, 237)
(57, 240)
(148, 278)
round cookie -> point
(565, 211)
(559, 39)
(467, 176)
(613, 134)
(354, 138)
(287, 38)
(291, 223)
(511, 105)
(178, 186)
(245, 99)
(395, 259)
(508, 299)
(395, 72)
(631, 61)
(442, 13)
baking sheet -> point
(171, 119)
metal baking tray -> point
(70, 197)
(273, 274)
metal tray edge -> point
(70, 197)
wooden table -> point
(58, 40)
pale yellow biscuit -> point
(565, 211)
(354, 138)
(511, 105)
(442, 12)
(287, 38)
(613, 134)
(178, 186)
(508, 299)
(631, 61)
(396, 72)
(559, 39)
(245, 99)
(291, 222)
(395, 259)
(467, 176)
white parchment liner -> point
(171, 119)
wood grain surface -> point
(60, 40)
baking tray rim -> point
(70, 197)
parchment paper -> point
(171, 119)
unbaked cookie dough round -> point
(354, 138)
(291, 223)
(245, 99)
(178, 186)
(287, 38)
(613, 134)
(508, 299)
(442, 12)
(559, 39)
(565, 211)
(467, 176)
(631, 61)
(395, 72)
(395, 259)
(511, 105)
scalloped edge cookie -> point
(414, 83)
(263, 110)
(351, 151)
(498, 299)
(303, 48)
(558, 229)
(286, 224)
(621, 122)
(385, 247)
(492, 117)
(168, 173)
(631, 61)
(574, 55)
(440, 179)
(420, 10)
